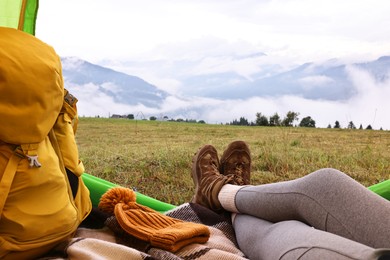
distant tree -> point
(290, 118)
(261, 120)
(152, 118)
(307, 122)
(201, 122)
(274, 120)
(234, 122)
(369, 127)
(351, 125)
(381, 129)
(329, 126)
(337, 124)
(360, 127)
(130, 116)
(180, 120)
(243, 121)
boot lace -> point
(236, 177)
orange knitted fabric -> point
(148, 225)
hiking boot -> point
(207, 179)
(236, 163)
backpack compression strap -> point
(30, 151)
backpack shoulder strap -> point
(8, 176)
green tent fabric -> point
(97, 187)
(382, 189)
(19, 14)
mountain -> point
(121, 87)
(379, 69)
(329, 80)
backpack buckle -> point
(69, 98)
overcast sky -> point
(301, 30)
(289, 32)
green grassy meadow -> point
(154, 157)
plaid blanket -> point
(109, 241)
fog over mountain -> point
(328, 91)
(122, 88)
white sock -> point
(227, 196)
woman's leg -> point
(327, 199)
(260, 239)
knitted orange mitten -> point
(148, 225)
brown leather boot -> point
(236, 162)
(207, 179)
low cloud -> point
(316, 81)
(92, 102)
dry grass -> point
(155, 157)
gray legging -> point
(324, 214)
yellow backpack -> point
(42, 196)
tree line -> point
(291, 119)
(288, 121)
(165, 118)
